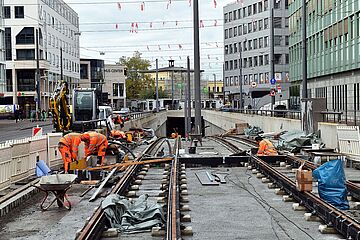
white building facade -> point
(115, 85)
(2, 53)
(56, 26)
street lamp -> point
(214, 75)
(171, 65)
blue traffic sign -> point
(273, 81)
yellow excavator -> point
(59, 107)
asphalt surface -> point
(9, 129)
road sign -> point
(273, 81)
(279, 89)
(272, 92)
(37, 131)
(253, 84)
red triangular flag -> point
(119, 6)
(116, 26)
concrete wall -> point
(156, 121)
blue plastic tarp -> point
(331, 184)
(42, 169)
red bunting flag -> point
(159, 48)
(180, 57)
(132, 27)
(201, 23)
(176, 23)
(180, 47)
(208, 56)
(150, 24)
(168, 45)
(119, 5)
(217, 45)
(215, 3)
(142, 6)
(148, 48)
(116, 26)
(215, 23)
(163, 23)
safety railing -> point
(18, 157)
(293, 114)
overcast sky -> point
(163, 31)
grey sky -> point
(121, 42)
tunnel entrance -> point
(178, 124)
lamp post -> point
(214, 75)
(171, 65)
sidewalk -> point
(8, 125)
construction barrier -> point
(38, 151)
(349, 141)
(54, 156)
(20, 159)
(5, 165)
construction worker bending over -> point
(95, 143)
(69, 147)
(117, 134)
(266, 148)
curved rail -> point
(93, 229)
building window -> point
(261, 42)
(277, 22)
(25, 54)
(266, 59)
(277, 40)
(266, 41)
(277, 4)
(118, 89)
(266, 4)
(260, 7)
(8, 49)
(26, 80)
(7, 12)
(249, 10)
(26, 36)
(19, 11)
(260, 24)
(261, 60)
(277, 59)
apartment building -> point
(55, 26)
(2, 53)
(247, 53)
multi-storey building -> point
(247, 37)
(55, 26)
(115, 85)
(333, 60)
(2, 53)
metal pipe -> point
(38, 106)
(61, 65)
(305, 124)
(189, 96)
(157, 86)
(197, 69)
(241, 104)
(272, 50)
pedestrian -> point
(16, 115)
(43, 113)
(21, 114)
(69, 148)
(95, 143)
(266, 148)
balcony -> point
(30, 64)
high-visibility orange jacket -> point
(118, 134)
(69, 148)
(266, 148)
(95, 143)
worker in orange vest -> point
(69, 147)
(117, 134)
(95, 143)
(266, 148)
(119, 121)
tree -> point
(138, 84)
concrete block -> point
(272, 185)
(325, 229)
(350, 198)
(287, 198)
(186, 218)
(279, 191)
(131, 194)
(134, 187)
(294, 170)
(144, 169)
(184, 192)
(187, 231)
(260, 175)
(110, 233)
(355, 205)
(183, 186)
(164, 181)
(249, 167)
(140, 177)
(142, 173)
(298, 207)
(184, 199)
(166, 173)
(183, 165)
(246, 165)
(282, 164)
(265, 180)
(167, 166)
(147, 166)
(311, 217)
(255, 171)
(288, 167)
(157, 232)
(162, 193)
(183, 176)
(138, 182)
(165, 177)
(183, 181)
(184, 208)
(183, 172)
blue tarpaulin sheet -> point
(331, 184)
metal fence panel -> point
(54, 156)
(349, 141)
(5, 166)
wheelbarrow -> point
(57, 184)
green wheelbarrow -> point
(58, 185)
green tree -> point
(138, 84)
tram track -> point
(344, 223)
(167, 194)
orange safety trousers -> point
(69, 148)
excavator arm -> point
(60, 108)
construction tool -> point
(130, 163)
(78, 165)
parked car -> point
(227, 108)
(124, 111)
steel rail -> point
(229, 145)
(353, 188)
(342, 222)
(173, 229)
(93, 229)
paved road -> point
(9, 129)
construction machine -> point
(85, 109)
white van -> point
(106, 112)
